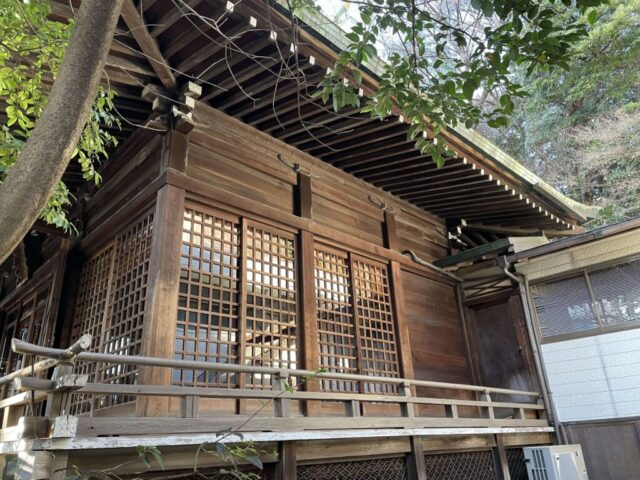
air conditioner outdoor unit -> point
(556, 462)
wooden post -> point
(189, 406)
(59, 401)
(352, 408)
(500, 460)
(279, 383)
(286, 466)
(175, 151)
(415, 460)
(390, 234)
(162, 295)
(404, 344)
(306, 285)
(304, 196)
(406, 408)
(308, 320)
(487, 412)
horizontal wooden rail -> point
(401, 405)
(235, 393)
(83, 343)
(29, 349)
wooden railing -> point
(58, 392)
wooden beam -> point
(135, 22)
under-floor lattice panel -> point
(517, 465)
(373, 469)
(460, 466)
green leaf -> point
(255, 461)
(592, 18)
(357, 76)
(468, 87)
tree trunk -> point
(47, 152)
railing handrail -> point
(81, 344)
(26, 348)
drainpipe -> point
(431, 266)
(547, 396)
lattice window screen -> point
(271, 302)
(208, 303)
(90, 312)
(336, 324)
(617, 293)
(476, 465)
(564, 306)
(516, 463)
(29, 320)
(123, 332)
(394, 468)
(376, 323)
(110, 306)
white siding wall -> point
(595, 377)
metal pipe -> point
(27, 348)
(424, 263)
(541, 373)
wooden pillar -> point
(415, 460)
(175, 150)
(404, 345)
(162, 295)
(500, 459)
(286, 466)
(308, 310)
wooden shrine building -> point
(254, 262)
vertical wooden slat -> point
(308, 321)
(162, 295)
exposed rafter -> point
(135, 22)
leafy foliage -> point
(31, 52)
(580, 128)
(430, 83)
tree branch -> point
(46, 154)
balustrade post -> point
(352, 408)
(406, 408)
(189, 406)
(487, 411)
(280, 383)
(542, 414)
(451, 411)
(58, 405)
